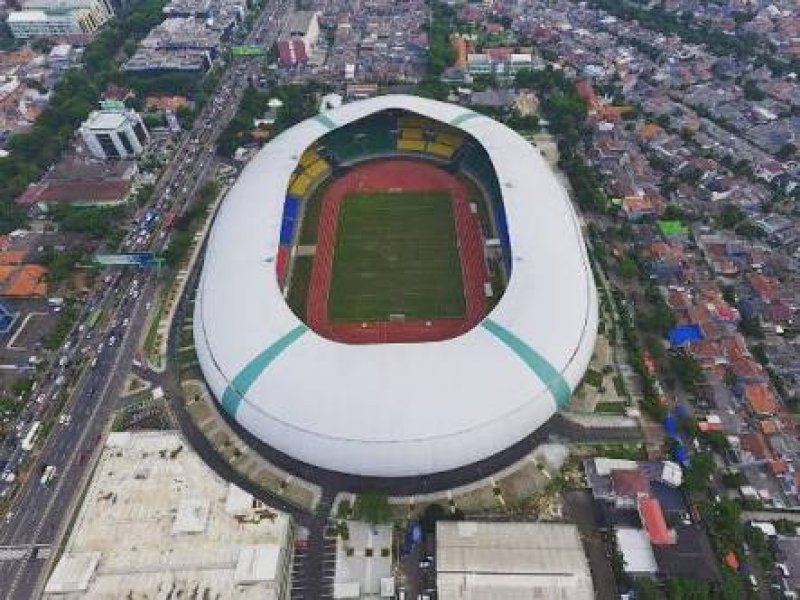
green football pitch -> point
(396, 254)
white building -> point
(507, 561)
(59, 17)
(155, 518)
(637, 552)
(60, 55)
(114, 133)
(304, 25)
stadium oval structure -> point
(405, 409)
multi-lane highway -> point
(103, 354)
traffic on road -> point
(43, 467)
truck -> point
(30, 437)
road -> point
(39, 513)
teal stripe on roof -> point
(247, 376)
(325, 120)
(554, 381)
(464, 117)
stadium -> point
(397, 287)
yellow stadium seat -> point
(314, 170)
(440, 150)
(309, 156)
(450, 139)
(411, 145)
(300, 186)
(411, 134)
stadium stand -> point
(440, 150)
(384, 134)
(311, 170)
(416, 121)
(476, 164)
(290, 209)
(436, 138)
(300, 185)
(368, 137)
(309, 156)
(411, 145)
(449, 139)
(411, 134)
(316, 169)
(282, 262)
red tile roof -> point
(754, 444)
(629, 482)
(109, 190)
(654, 522)
(746, 368)
(760, 398)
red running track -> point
(408, 175)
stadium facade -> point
(399, 409)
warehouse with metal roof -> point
(510, 561)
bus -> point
(30, 438)
(48, 475)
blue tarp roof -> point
(683, 334)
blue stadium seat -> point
(290, 209)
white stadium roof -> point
(396, 409)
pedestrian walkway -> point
(240, 456)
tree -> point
(344, 510)
(185, 116)
(686, 369)
(441, 53)
(752, 91)
(96, 222)
(434, 513)
(628, 268)
(646, 589)
(724, 519)
(696, 476)
(373, 507)
(716, 440)
(430, 87)
(60, 265)
(682, 588)
(731, 587)
(179, 245)
(786, 151)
